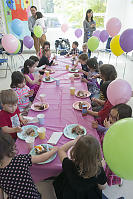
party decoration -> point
(9, 43)
(17, 26)
(10, 4)
(28, 41)
(113, 26)
(118, 150)
(126, 40)
(93, 43)
(38, 31)
(78, 33)
(115, 46)
(103, 36)
(119, 91)
(64, 27)
(97, 33)
(18, 49)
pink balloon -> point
(113, 26)
(10, 43)
(119, 91)
(64, 27)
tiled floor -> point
(120, 63)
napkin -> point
(55, 138)
(31, 119)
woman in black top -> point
(82, 175)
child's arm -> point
(102, 187)
(7, 129)
(100, 102)
(84, 72)
(43, 157)
(22, 120)
(1, 194)
(28, 79)
(92, 113)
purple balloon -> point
(97, 33)
(126, 40)
(78, 33)
(103, 35)
(28, 41)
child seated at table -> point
(23, 92)
(45, 58)
(117, 112)
(74, 50)
(85, 50)
(15, 178)
(92, 83)
(83, 175)
(32, 81)
(10, 117)
(83, 60)
(46, 45)
(104, 112)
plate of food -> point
(73, 70)
(76, 76)
(82, 94)
(78, 105)
(51, 71)
(49, 79)
(29, 130)
(73, 130)
(39, 106)
(68, 56)
(43, 148)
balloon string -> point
(125, 67)
(98, 54)
(109, 57)
(116, 60)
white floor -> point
(120, 63)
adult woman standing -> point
(89, 25)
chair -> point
(2, 62)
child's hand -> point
(84, 80)
(95, 76)
(80, 70)
(54, 149)
(24, 121)
(94, 99)
(95, 124)
(18, 129)
(106, 123)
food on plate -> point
(81, 94)
(76, 75)
(40, 106)
(78, 130)
(73, 69)
(81, 104)
(40, 149)
(30, 132)
(47, 78)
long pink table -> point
(59, 114)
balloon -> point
(126, 40)
(103, 36)
(28, 41)
(96, 33)
(18, 49)
(17, 26)
(118, 148)
(119, 91)
(93, 43)
(64, 27)
(10, 43)
(78, 33)
(115, 46)
(38, 31)
(113, 26)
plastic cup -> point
(42, 97)
(67, 67)
(57, 82)
(30, 142)
(47, 73)
(72, 90)
(41, 131)
(41, 118)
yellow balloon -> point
(115, 46)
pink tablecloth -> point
(59, 114)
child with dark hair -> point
(10, 117)
(83, 175)
(45, 58)
(45, 46)
(118, 112)
(83, 60)
(32, 81)
(15, 177)
(23, 92)
(74, 50)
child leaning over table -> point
(10, 117)
(83, 176)
(15, 177)
(83, 60)
(117, 112)
(74, 50)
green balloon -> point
(38, 31)
(93, 43)
(118, 148)
(18, 49)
